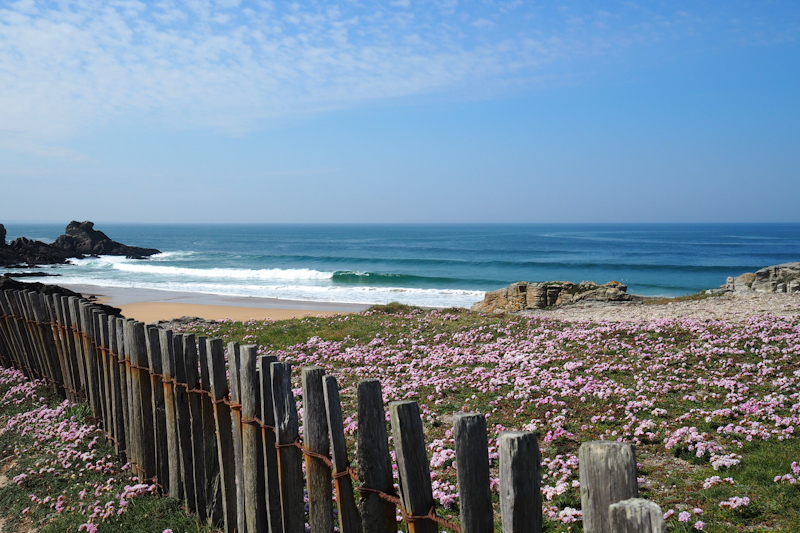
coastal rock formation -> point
(522, 295)
(80, 239)
(777, 278)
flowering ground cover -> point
(713, 407)
(57, 473)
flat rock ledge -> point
(524, 296)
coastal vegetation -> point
(712, 406)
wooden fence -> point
(225, 438)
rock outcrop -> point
(523, 295)
(80, 239)
(777, 278)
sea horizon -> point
(427, 264)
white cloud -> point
(226, 64)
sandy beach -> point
(153, 305)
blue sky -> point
(400, 111)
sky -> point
(401, 111)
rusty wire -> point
(235, 406)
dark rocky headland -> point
(79, 240)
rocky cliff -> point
(777, 278)
(522, 295)
(79, 239)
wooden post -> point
(416, 493)
(102, 323)
(134, 401)
(520, 479)
(196, 416)
(120, 386)
(472, 458)
(173, 482)
(252, 450)
(636, 515)
(90, 354)
(213, 484)
(290, 457)
(53, 310)
(143, 397)
(315, 439)
(349, 521)
(607, 475)
(236, 428)
(73, 304)
(183, 419)
(271, 481)
(374, 461)
(222, 417)
(65, 317)
(159, 409)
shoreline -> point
(151, 305)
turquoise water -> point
(436, 265)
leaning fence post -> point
(607, 475)
(315, 438)
(416, 493)
(222, 417)
(349, 521)
(143, 400)
(472, 459)
(520, 478)
(636, 515)
(374, 461)
(290, 457)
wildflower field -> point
(712, 407)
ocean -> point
(438, 265)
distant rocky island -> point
(79, 240)
(525, 296)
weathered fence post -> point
(173, 487)
(520, 478)
(271, 479)
(472, 458)
(143, 400)
(120, 387)
(252, 450)
(374, 461)
(607, 475)
(290, 457)
(183, 419)
(349, 521)
(236, 428)
(159, 409)
(636, 515)
(315, 439)
(213, 481)
(222, 417)
(416, 493)
(196, 416)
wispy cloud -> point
(233, 65)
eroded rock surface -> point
(777, 278)
(523, 295)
